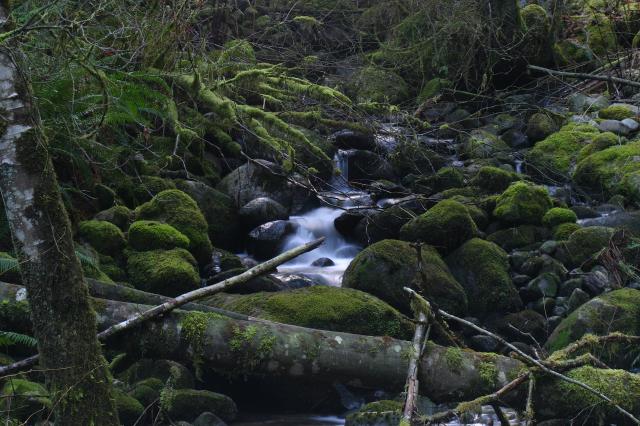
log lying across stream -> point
(288, 352)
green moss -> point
(563, 231)
(600, 142)
(386, 267)
(180, 211)
(540, 125)
(454, 359)
(385, 412)
(558, 215)
(522, 203)
(612, 171)
(147, 235)
(446, 226)
(445, 178)
(537, 27)
(371, 84)
(194, 327)
(27, 400)
(494, 179)
(104, 236)
(118, 215)
(616, 112)
(488, 374)
(166, 272)
(584, 243)
(571, 53)
(129, 408)
(557, 153)
(483, 270)
(482, 144)
(325, 308)
(433, 88)
(601, 36)
(412, 157)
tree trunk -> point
(63, 320)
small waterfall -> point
(518, 164)
(340, 180)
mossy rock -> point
(583, 406)
(372, 84)
(584, 243)
(571, 53)
(121, 216)
(188, 404)
(445, 178)
(104, 236)
(432, 88)
(378, 413)
(112, 268)
(129, 409)
(612, 171)
(494, 180)
(600, 35)
(445, 226)
(522, 204)
(26, 400)
(616, 112)
(483, 144)
(386, 267)
(618, 310)
(145, 235)
(482, 268)
(558, 215)
(536, 24)
(599, 143)
(518, 237)
(384, 225)
(414, 158)
(147, 391)
(540, 126)
(149, 371)
(150, 186)
(564, 231)
(325, 308)
(180, 211)
(556, 155)
(167, 272)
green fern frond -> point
(8, 264)
(9, 338)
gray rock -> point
(261, 210)
(545, 306)
(351, 139)
(632, 124)
(520, 280)
(559, 311)
(482, 343)
(294, 281)
(567, 287)
(580, 103)
(553, 322)
(577, 299)
(630, 221)
(548, 247)
(368, 166)
(208, 419)
(545, 285)
(597, 281)
(614, 126)
(266, 240)
(323, 262)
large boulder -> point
(483, 144)
(616, 311)
(266, 240)
(121, 216)
(263, 179)
(540, 126)
(482, 268)
(385, 268)
(522, 204)
(493, 179)
(219, 211)
(103, 236)
(180, 211)
(322, 307)
(367, 166)
(261, 210)
(145, 235)
(372, 84)
(584, 243)
(158, 369)
(446, 226)
(382, 225)
(518, 236)
(167, 272)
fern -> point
(9, 338)
(9, 263)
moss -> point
(188, 404)
(446, 226)
(522, 203)
(166, 272)
(482, 144)
(104, 236)
(616, 112)
(494, 179)
(600, 142)
(385, 412)
(563, 231)
(112, 269)
(177, 209)
(488, 374)
(445, 178)
(371, 84)
(194, 326)
(571, 53)
(600, 35)
(15, 316)
(584, 243)
(149, 371)
(540, 125)
(118, 215)
(537, 27)
(325, 308)
(433, 88)
(558, 215)
(483, 270)
(612, 171)
(557, 154)
(26, 399)
(412, 157)
(147, 235)
(454, 359)
(129, 408)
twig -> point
(585, 76)
(172, 304)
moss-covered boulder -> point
(25, 400)
(558, 215)
(598, 143)
(584, 243)
(121, 216)
(540, 126)
(180, 211)
(219, 211)
(482, 268)
(188, 404)
(130, 410)
(145, 235)
(536, 24)
(616, 112)
(385, 268)
(167, 272)
(372, 84)
(445, 226)
(483, 144)
(563, 231)
(103, 236)
(618, 310)
(522, 203)
(556, 155)
(445, 178)
(146, 371)
(324, 308)
(494, 179)
(581, 405)
(147, 391)
(410, 157)
(615, 170)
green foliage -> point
(9, 338)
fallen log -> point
(585, 76)
(287, 352)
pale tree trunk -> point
(64, 322)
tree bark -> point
(63, 321)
